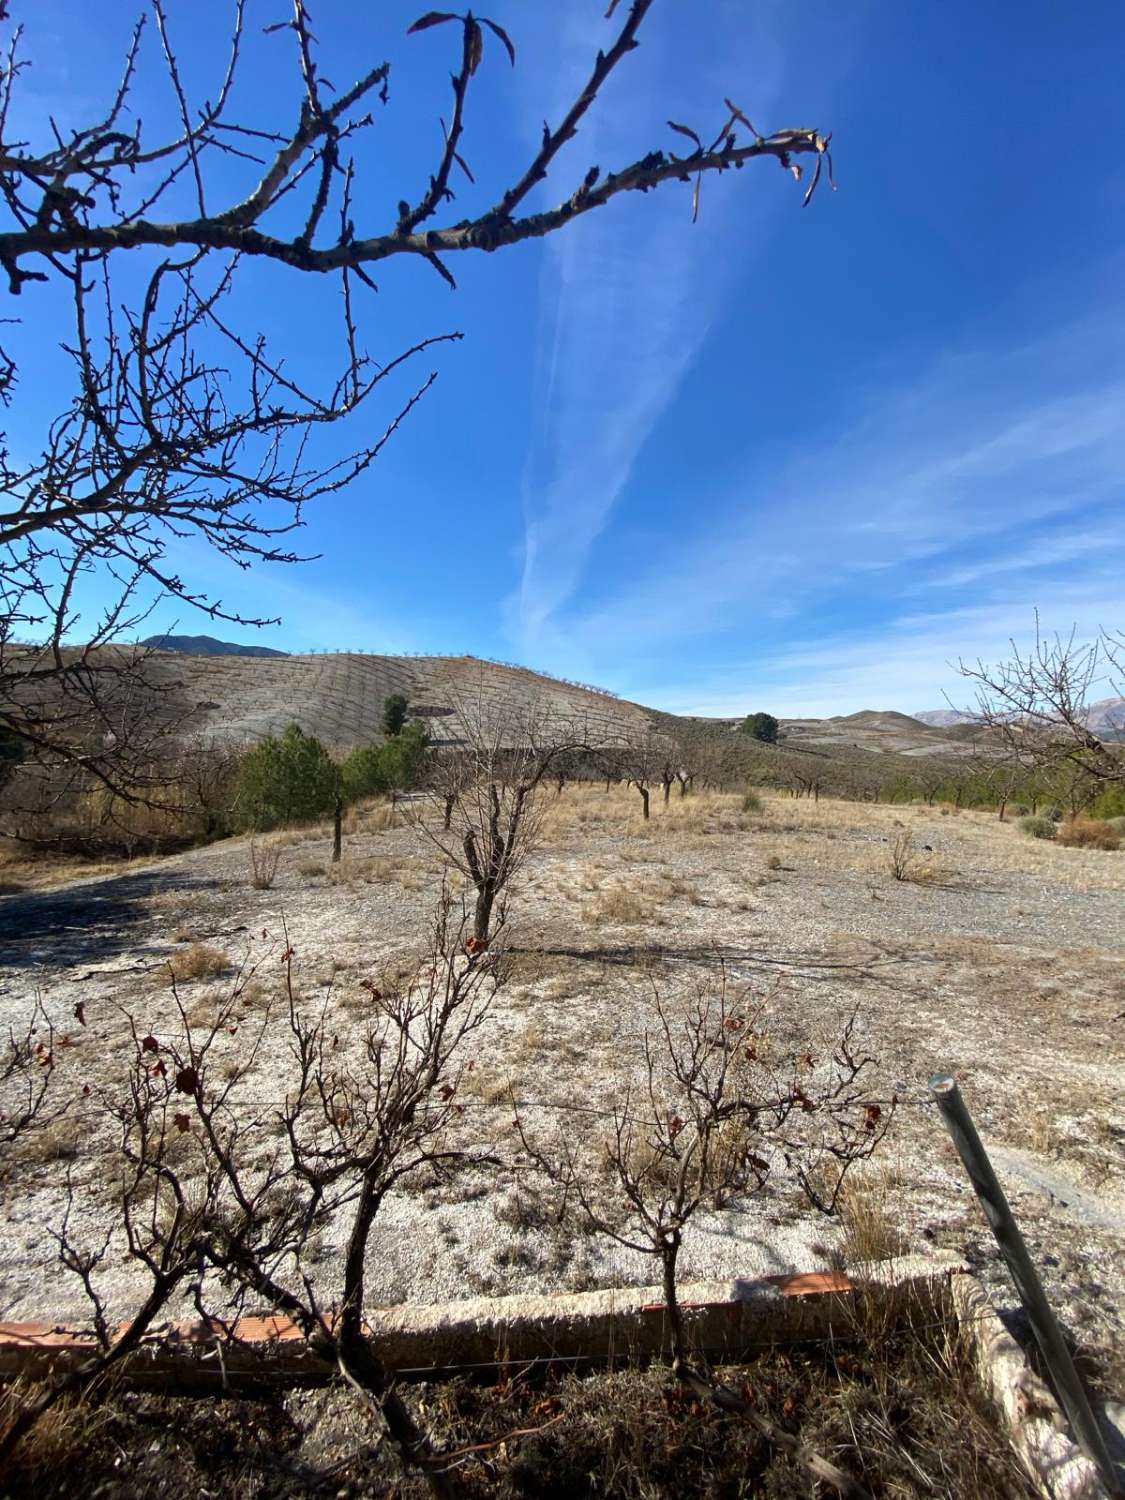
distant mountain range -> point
(207, 645)
(1106, 717)
(942, 718)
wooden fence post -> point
(1048, 1335)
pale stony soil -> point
(1008, 972)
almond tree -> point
(484, 802)
(1034, 708)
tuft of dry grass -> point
(200, 961)
(1087, 833)
(917, 866)
(871, 1230)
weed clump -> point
(1037, 827)
(751, 802)
(200, 961)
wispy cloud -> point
(627, 298)
(909, 664)
(988, 472)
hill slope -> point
(206, 645)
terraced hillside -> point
(339, 697)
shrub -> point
(395, 709)
(1088, 833)
(376, 770)
(762, 727)
(1109, 803)
(288, 780)
(1118, 826)
(1038, 827)
(1019, 809)
(751, 802)
(1054, 813)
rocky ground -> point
(1002, 961)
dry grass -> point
(627, 903)
(918, 866)
(42, 1145)
(904, 1416)
(24, 868)
(870, 1220)
(1087, 833)
(200, 961)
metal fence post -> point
(1044, 1325)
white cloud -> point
(908, 665)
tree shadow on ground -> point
(875, 966)
(79, 923)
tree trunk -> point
(644, 800)
(448, 814)
(667, 792)
(482, 917)
(1003, 805)
(337, 830)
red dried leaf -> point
(675, 1125)
(182, 1123)
(161, 1069)
(187, 1081)
(872, 1116)
(149, 1044)
(447, 1091)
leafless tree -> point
(182, 423)
(717, 1109)
(484, 802)
(221, 1195)
(642, 759)
(1035, 707)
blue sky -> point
(784, 458)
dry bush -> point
(916, 866)
(200, 961)
(312, 867)
(1087, 833)
(774, 862)
(264, 860)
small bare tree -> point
(484, 804)
(645, 760)
(27, 1067)
(220, 1196)
(717, 1109)
(1035, 707)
